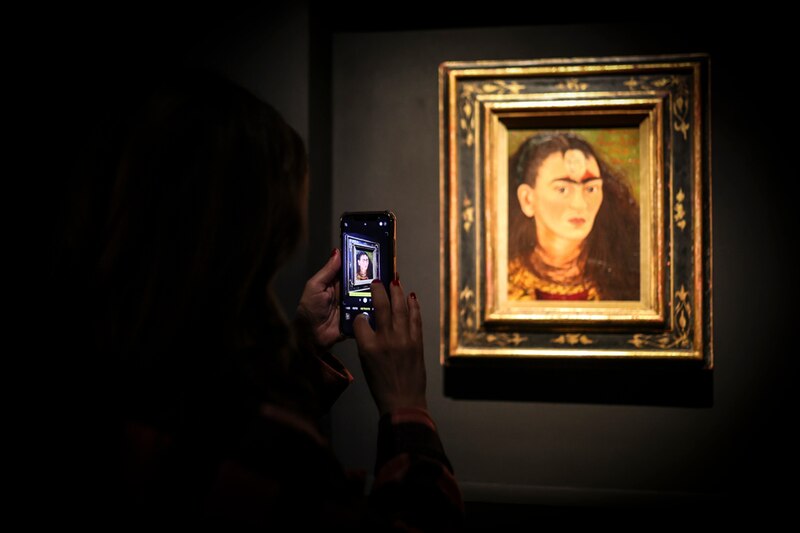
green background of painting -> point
(619, 147)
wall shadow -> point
(672, 384)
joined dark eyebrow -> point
(576, 182)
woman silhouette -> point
(200, 400)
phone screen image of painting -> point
(574, 215)
(363, 265)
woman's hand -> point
(319, 303)
(392, 355)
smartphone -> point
(368, 253)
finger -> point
(331, 320)
(337, 290)
(399, 306)
(328, 273)
(383, 312)
(414, 319)
(365, 336)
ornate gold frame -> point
(667, 99)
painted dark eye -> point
(594, 187)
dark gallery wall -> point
(365, 98)
(582, 454)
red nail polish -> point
(333, 252)
(413, 295)
(376, 280)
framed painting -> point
(575, 209)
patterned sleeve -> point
(414, 488)
(286, 473)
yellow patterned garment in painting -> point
(525, 285)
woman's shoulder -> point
(279, 469)
(286, 465)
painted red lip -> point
(577, 221)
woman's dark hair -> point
(369, 266)
(612, 250)
(186, 203)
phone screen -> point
(368, 253)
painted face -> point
(363, 263)
(566, 197)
